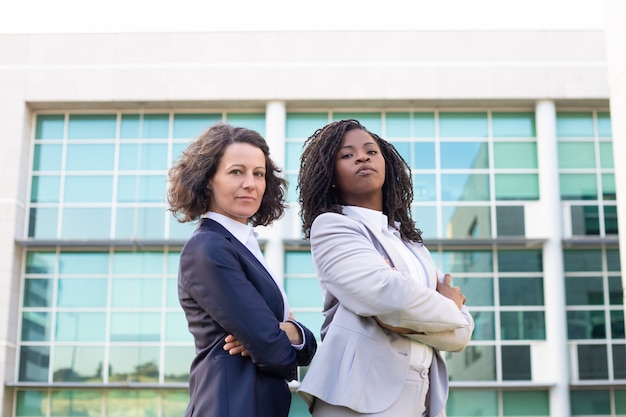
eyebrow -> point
(243, 166)
(351, 146)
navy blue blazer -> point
(224, 290)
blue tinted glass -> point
(463, 125)
(515, 155)
(76, 292)
(177, 150)
(404, 149)
(465, 221)
(484, 323)
(88, 189)
(172, 293)
(80, 327)
(465, 187)
(92, 126)
(464, 155)
(577, 155)
(45, 189)
(141, 188)
(180, 231)
(517, 187)
(130, 126)
(424, 187)
(426, 220)
(293, 150)
(78, 364)
(173, 260)
(522, 325)
(42, 223)
(138, 263)
(49, 126)
(423, 155)
(84, 263)
(292, 193)
(135, 327)
(303, 125)
(304, 292)
(34, 363)
(372, 121)
(299, 263)
(90, 157)
(578, 187)
(604, 125)
(38, 292)
(47, 157)
(423, 125)
(472, 403)
(513, 125)
(312, 320)
(398, 125)
(40, 262)
(574, 125)
(521, 291)
(31, 403)
(176, 328)
(467, 261)
(192, 125)
(606, 155)
(254, 121)
(479, 291)
(582, 260)
(155, 126)
(526, 403)
(132, 364)
(520, 261)
(140, 223)
(143, 157)
(86, 223)
(36, 326)
(136, 292)
(590, 402)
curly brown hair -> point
(317, 171)
(188, 195)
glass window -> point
(86, 223)
(479, 291)
(171, 297)
(464, 155)
(150, 126)
(577, 155)
(31, 403)
(78, 364)
(191, 125)
(592, 362)
(254, 121)
(574, 124)
(466, 222)
(84, 262)
(584, 291)
(521, 291)
(589, 324)
(47, 157)
(144, 402)
(179, 230)
(49, 126)
(312, 320)
(590, 402)
(176, 329)
(424, 187)
(582, 260)
(517, 187)
(522, 325)
(304, 292)
(136, 292)
(617, 324)
(371, 120)
(619, 362)
(467, 261)
(513, 124)
(81, 157)
(92, 126)
(620, 401)
(36, 326)
(143, 156)
(135, 327)
(608, 186)
(516, 363)
(80, 327)
(292, 158)
(426, 220)
(76, 402)
(42, 223)
(463, 403)
(465, 187)
(423, 125)
(134, 364)
(148, 263)
(303, 125)
(45, 189)
(398, 125)
(606, 155)
(484, 323)
(173, 260)
(610, 220)
(176, 364)
(37, 292)
(475, 363)
(616, 296)
(515, 155)
(526, 403)
(141, 188)
(520, 261)
(510, 221)
(463, 125)
(423, 155)
(77, 293)
(34, 363)
(174, 402)
(585, 220)
(140, 223)
(88, 189)
(40, 262)
(604, 125)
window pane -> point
(582, 260)
(92, 126)
(516, 364)
(174, 402)
(617, 324)
(591, 402)
(135, 327)
(610, 220)
(585, 220)
(141, 188)
(40, 262)
(146, 156)
(423, 155)
(140, 223)
(472, 403)
(90, 157)
(479, 291)
(423, 125)
(88, 189)
(299, 262)
(37, 292)
(592, 362)
(80, 327)
(303, 125)
(312, 320)
(173, 260)
(177, 361)
(606, 155)
(574, 124)
(475, 363)
(616, 296)
(78, 364)
(134, 364)
(47, 157)
(36, 326)
(192, 125)
(172, 293)
(484, 325)
(154, 126)
(467, 261)
(526, 403)
(89, 293)
(136, 292)
(465, 187)
(464, 155)
(254, 121)
(520, 261)
(176, 329)
(42, 223)
(45, 189)
(513, 125)
(510, 221)
(466, 222)
(619, 362)
(521, 291)
(426, 220)
(584, 291)
(576, 155)
(49, 126)
(398, 125)
(424, 187)
(84, 263)
(604, 125)
(132, 403)
(34, 363)
(523, 325)
(180, 231)
(304, 292)
(517, 187)
(463, 125)
(608, 186)
(372, 121)
(76, 403)
(31, 404)
(79, 223)
(148, 263)
(586, 325)
(514, 155)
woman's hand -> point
(233, 346)
(293, 331)
(454, 293)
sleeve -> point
(307, 349)
(451, 340)
(213, 275)
(351, 269)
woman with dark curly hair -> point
(247, 343)
(388, 311)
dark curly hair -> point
(317, 171)
(188, 195)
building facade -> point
(509, 136)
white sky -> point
(76, 16)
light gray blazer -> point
(360, 365)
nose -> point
(248, 181)
(363, 157)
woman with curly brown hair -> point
(247, 343)
(388, 311)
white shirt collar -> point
(373, 218)
(239, 230)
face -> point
(360, 170)
(239, 183)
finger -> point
(291, 316)
(230, 338)
(457, 288)
(447, 279)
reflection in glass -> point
(608, 186)
(474, 363)
(34, 363)
(423, 155)
(585, 220)
(140, 223)
(516, 363)
(522, 325)
(616, 295)
(37, 292)
(592, 362)
(77, 292)
(42, 223)
(176, 329)
(526, 403)
(467, 261)
(484, 324)
(521, 291)
(619, 361)
(78, 364)
(174, 402)
(132, 403)
(517, 187)
(86, 223)
(464, 155)
(40, 262)
(31, 403)
(584, 291)
(515, 155)
(136, 292)
(80, 327)
(76, 402)
(589, 324)
(136, 327)
(177, 360)
(463, 403)
(590, 402)
(610, 220)
(582, 260)
(479, 291)
(424, 187)
(617, 324)
(510, 221)
(134, 364)
(45, 189)
(466, 221)
(465, 187)
(578, 187)
(36, 326)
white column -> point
(275, 116)
(615, 35)
(554, 281)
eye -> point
(236, 172)
(346, 156)
(372, 152)
(259, 174)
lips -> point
(365, 169)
